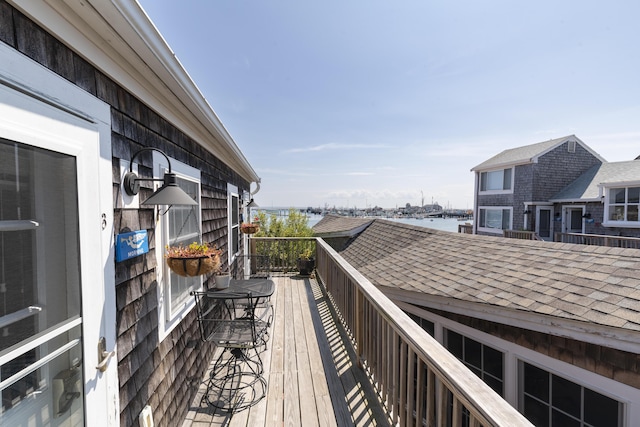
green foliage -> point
(284, 252)
(294, 225)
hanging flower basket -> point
(193, 260)
(249, 227)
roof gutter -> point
(119, 39)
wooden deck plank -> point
(304, 352)
(291, 391)
(312, 376)
(274, 371)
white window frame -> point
(169, 317)
(502, 191)
(612, 223)
(233, 194)
(495, 230)
(514, 353)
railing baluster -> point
(410, 387)
(420, 392)
(395, 349)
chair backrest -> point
(229, 318)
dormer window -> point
(496, 181)
(622, 205)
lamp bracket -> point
(131, 183)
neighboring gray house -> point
(513, 190)
(603, 200)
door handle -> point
(103, 355)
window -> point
(552, 401)
(425, 324)
(571, 146)
(495, 219)
(180, 225)
(496, 181)
(183, 228)
(233, 211)
(622, 206)
(486, 362)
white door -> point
(544, 224)
(56, 274)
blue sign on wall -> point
(130, 245)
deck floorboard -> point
(312, 376)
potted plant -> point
(306, 262)
(193, 260)
(222, 278)
(250, 227)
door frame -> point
(566, 219)
(537, 224)
(34, 94)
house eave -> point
(118, 38)
(586, 200)
(607, 336)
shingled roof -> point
(585, 188)
(529, 153)
(591, 285)
(332, 225)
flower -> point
(194, 250)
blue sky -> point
(380, 103)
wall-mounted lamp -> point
(169, 194)
(587, 215)
(252, 204)
(528, 212)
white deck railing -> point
(418, 380)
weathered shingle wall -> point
(559, 168)
(163, 374)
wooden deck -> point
(310, 370)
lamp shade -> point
(170, 193)
(252, 204)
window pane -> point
(566, 396)
(633, 195)
(632, 213)
(599, 410)
(616, 213)
(454, 344)
(184, 228)
(558, 419)
(473, 353)
(506, 219)
(495, 384)
(492, 361)
(494, 180)
(616, 195)
(506, 182)
(536, 412)
(483, 181)
(493, 218)
(483, 218)
(536, 382)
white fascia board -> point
(633, 183)
(117, 37)
(606, 336)
(595, 199)
(504, 165)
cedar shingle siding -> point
(164, 375)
